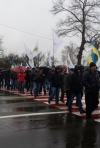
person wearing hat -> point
(68, 76)
(75, 89)
(35, 76)
(81, 75)
(63, 89)
(49, 78)
(57, 82)
(91, 82)
(27, 78)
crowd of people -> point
(71, 82)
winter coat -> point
(27, 72)
(35, 76)
(13, 75)
(1, 76)
(50, 74)
(75, 82)
(56, 79)
(7, 75)
(91, 81)
(21, 77)
(68, 77)
(43, 77)
(64, 82)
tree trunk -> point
(83, 39)
(80, 55)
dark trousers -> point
(27, 85)
(5, 81)
(43, 84)
(13, 83)
(68, 96)
(78, 96)
(91, 103)
(8, 84)
(31, 87)
(1, 83)
(21, 87)
(62, 94)
(36, 87)
(81, 98)
(54, 91)
(50, 88)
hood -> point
(57, 68)
(77, 67)
(81, 68)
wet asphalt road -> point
(63, 130)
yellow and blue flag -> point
(94, 49)
(90, 59)
(95, 55)
(13, 65)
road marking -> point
(32, 114)
(97, 120)
(44, 99)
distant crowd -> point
(72, 82)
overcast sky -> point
(32, 16)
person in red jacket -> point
(21, 80)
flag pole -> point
(53, 49)
(37, 51)
(47, 57)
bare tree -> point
(1, 47)
(54, 61)
(7, 60)
(39, 59)
(64, 56)
(82, 20)
(72, 50)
